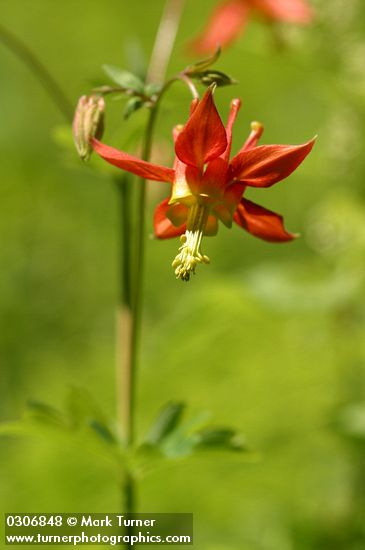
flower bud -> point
(215, 77)
(88, 123)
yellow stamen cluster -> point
(189, 252)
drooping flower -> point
(206, 187)
(229, 19)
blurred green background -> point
(269, 338)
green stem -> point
(131, 299)
(129, 314)
(129, 490)
(125, 311)
(125, 382)
(39, 70)
(131, 271)
(139, 263)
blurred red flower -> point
(207, 186)
(230, 17)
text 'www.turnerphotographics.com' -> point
(98, 529)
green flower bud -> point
(210, 77)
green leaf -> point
(202, 65)
(170, 439)
(124, 79)
(132, 105)
(178, 445)
(165, 423)
(182, 443)
(102, 431)
(225, 438)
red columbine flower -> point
(229, 19)
(207, 186)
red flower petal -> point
(224, 215)
(187, 182)
(203, 137)
(267, 164)
(163, 227)
(261, 222)
(235, 107)
(233, 195)
(133, 164)
(226, 23)
(295, 11)
(177, 213)
(215, 178)
(211, 227)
